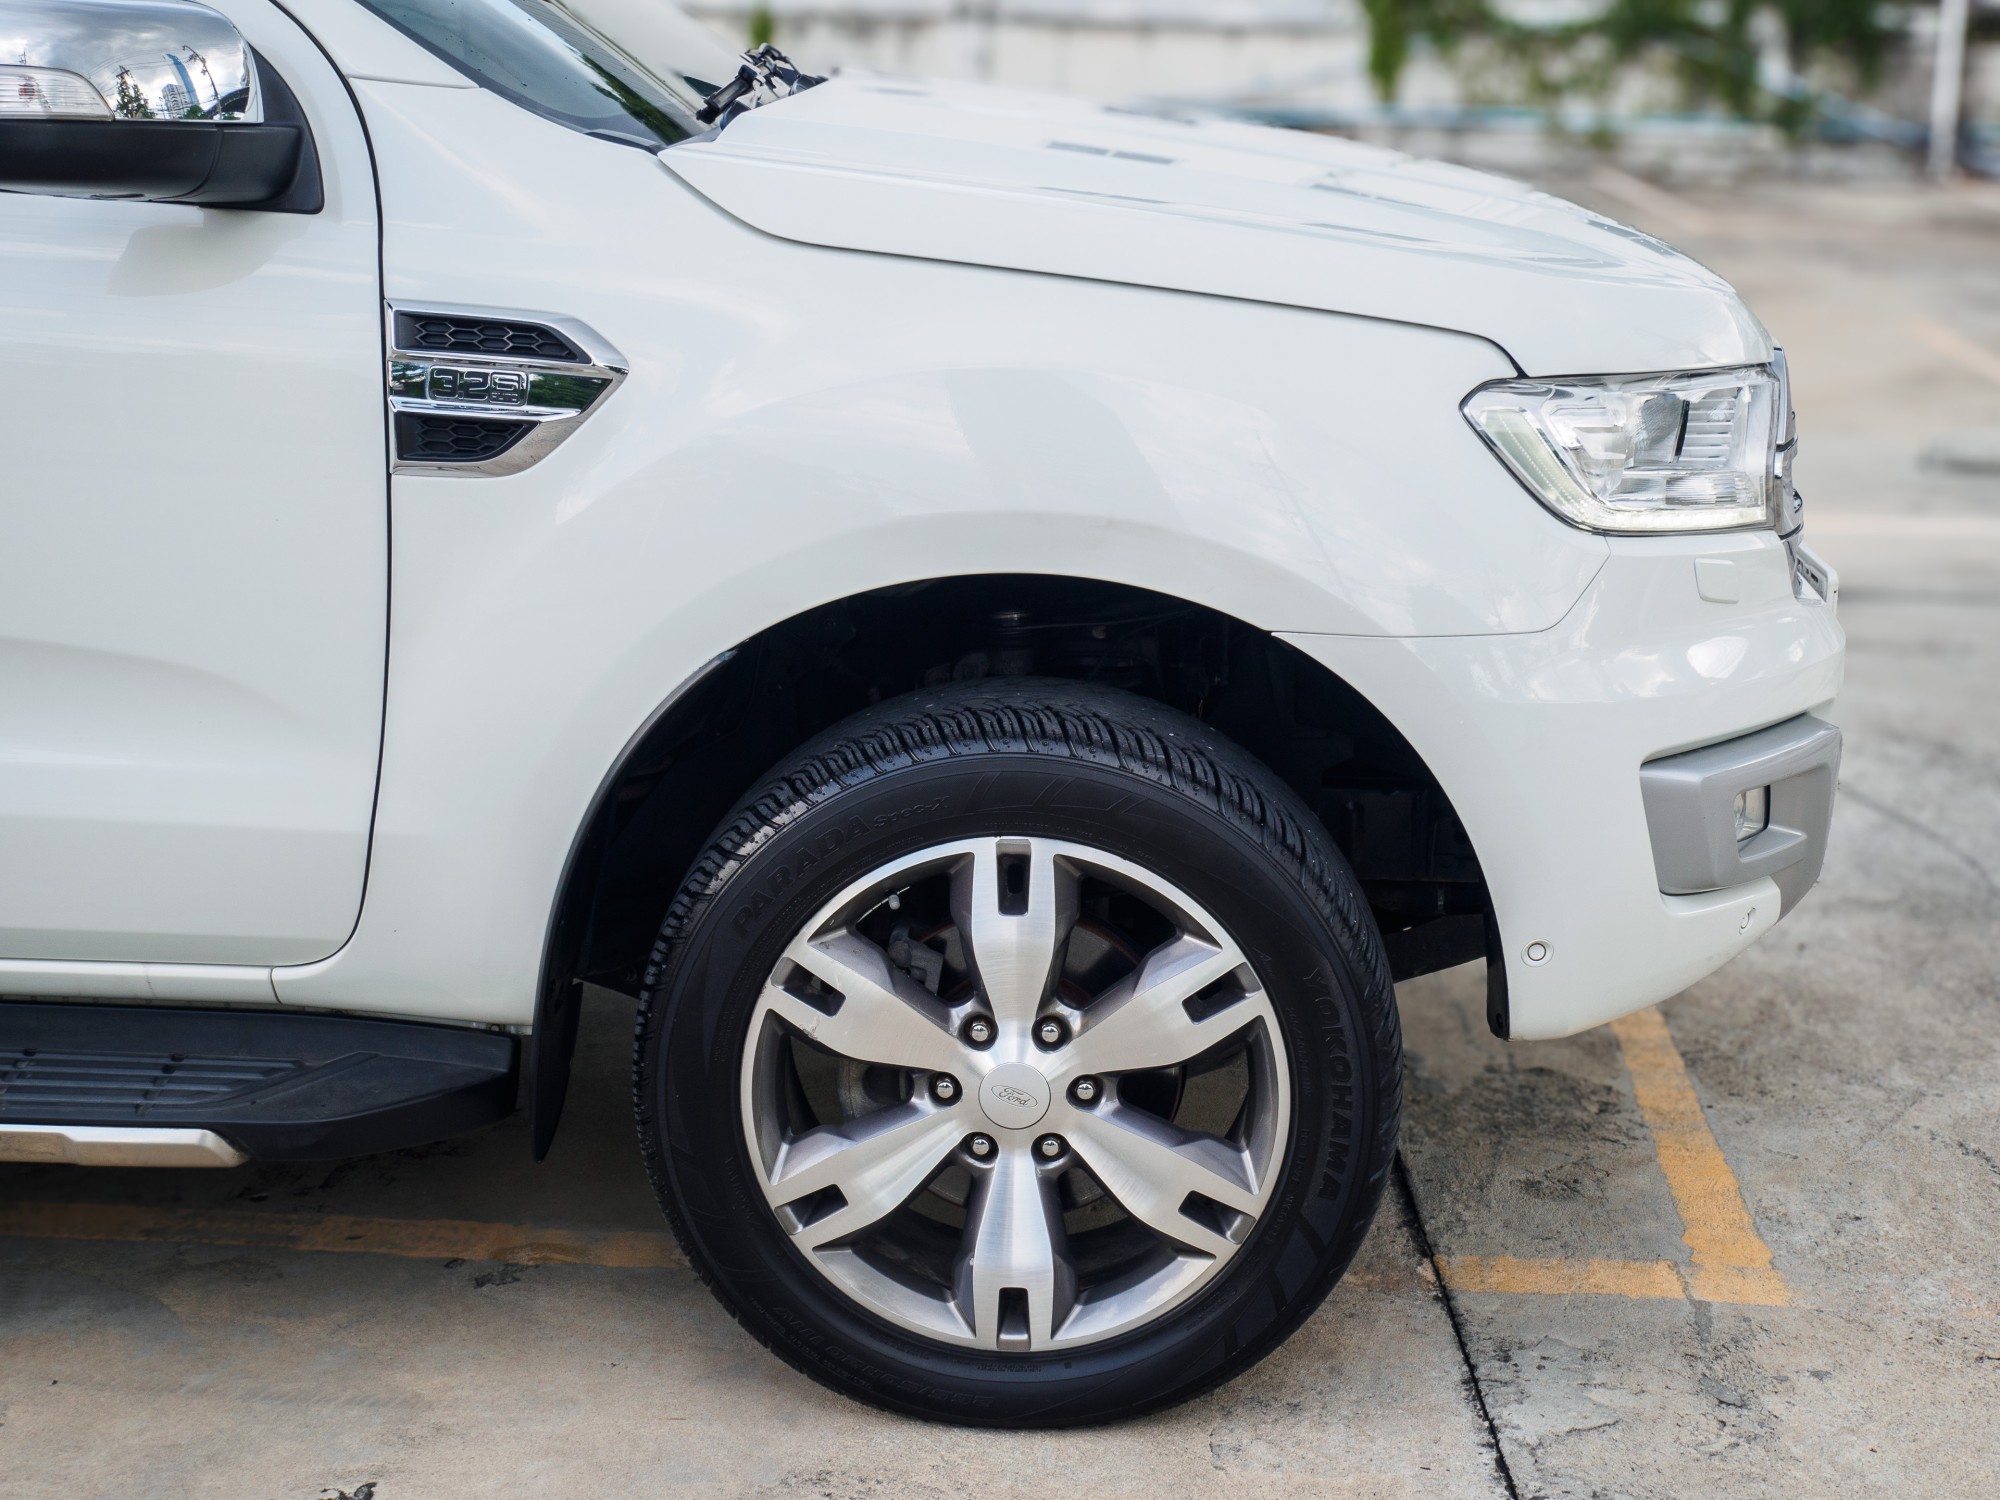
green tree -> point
(131, 99)
(1710, 46)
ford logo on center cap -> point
(1014, 1096)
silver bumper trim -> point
(1690, 809)
(117, 1146)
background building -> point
(1307, 62)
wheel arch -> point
(706, 745)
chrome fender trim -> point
(547, 397)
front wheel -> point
(1020, 1055)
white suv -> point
(1005, 624)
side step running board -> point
(139, 1085)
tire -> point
(1163, 844)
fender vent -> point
(422, 437)
(488, 336)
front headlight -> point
(1639, 453)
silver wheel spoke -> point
(866, 1193)
(1150, 1167)
(1142, 1021)
(1014, 938)
(1014, 1241)
(884, 1016)
(876, 1163)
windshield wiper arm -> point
(766, 75)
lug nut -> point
(980, 1146)
(979, 1031)
(1051, 1032)
(1084, 1091)
(944, 1088)
(1050, 1146)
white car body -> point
(281, 728)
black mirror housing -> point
(191, 161)
(266, 162)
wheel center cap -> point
(1014, 1096)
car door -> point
(193, 534)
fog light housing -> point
(1753, 812)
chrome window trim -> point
(555, 397)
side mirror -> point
(157, 100)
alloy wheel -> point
(1015, 1094)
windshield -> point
(632, 71)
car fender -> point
(801, 424)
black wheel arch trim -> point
(643, 799)
(559, 988)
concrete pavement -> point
(1848, 1066)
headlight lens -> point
(1639, 453)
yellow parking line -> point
(1957, 348)
(416, 1239)
(1731, 1261)
(1562, 1277)
(1893, 526)
(1669, 210)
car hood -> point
(995, 177)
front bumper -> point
(1539, 741)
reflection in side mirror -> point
(157, 100)
(155, 60)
